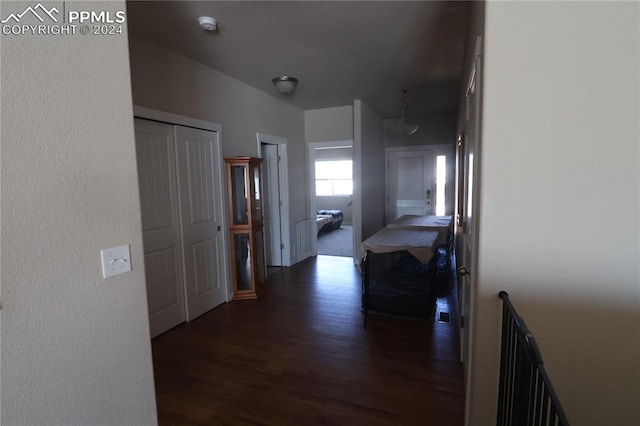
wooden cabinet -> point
(246, 226)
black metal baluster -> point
(526, 396)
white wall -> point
(560, 193)
(167, 81)
(76, 348)
(329, 124)
(369, 172)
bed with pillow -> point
(329, 220)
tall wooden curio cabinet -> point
(247, 229)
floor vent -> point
(444, 317)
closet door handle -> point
(219, 228)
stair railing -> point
(526, 396)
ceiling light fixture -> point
(403, 127)
(207, 23)
(285, 84)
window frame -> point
(334, 180)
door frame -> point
(438, 149)
(470, 232)
(283, 173)
(180, 120)
(271, 205)
(311, 161)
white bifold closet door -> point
(200, 188)
(180, 180)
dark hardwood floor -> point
(299, 356)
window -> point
(334, 178)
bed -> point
(329, 220)
(323, 220)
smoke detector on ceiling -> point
(207, 23)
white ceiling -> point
(340, 51)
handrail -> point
(532, 345)
(526, 396)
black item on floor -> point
(443, 268)
(405, 262)
(408, 263)
(401, 293)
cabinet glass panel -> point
(242, 261)
(257, 201)
(244, 189)
(260, 266)
(239, 195)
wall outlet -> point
(116, 260)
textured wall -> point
(559, 201)
(75, 347)
(167, 81)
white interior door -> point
(272, 205)
(199, 172)
(160, 224)
(411, 177)
(466, 254)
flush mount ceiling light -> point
(285, 84)
(403, 127)
(207, 23)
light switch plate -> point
(116, 260)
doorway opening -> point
(418, 181)
(275, 181)
(331, 178)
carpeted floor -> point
(336, 243)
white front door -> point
(160, 224)
(199, 172)
(272, 204)
(411, 177)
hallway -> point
(299, 356)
